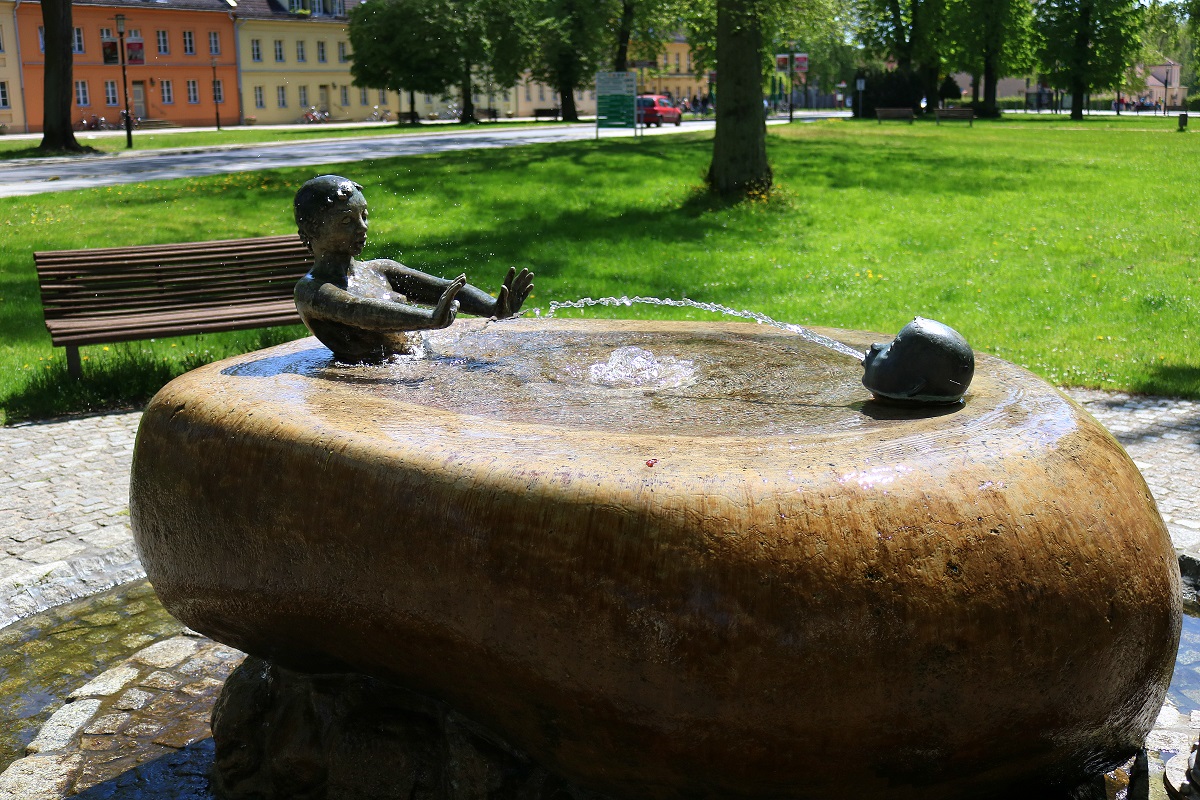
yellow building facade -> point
(12, 97)
(294, 59)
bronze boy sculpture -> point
(363, 310)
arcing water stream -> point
(717, 308)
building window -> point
(345, 95)
(255, 50)
(1, 38)
(541, 92)
(81, 94)
(281, 96)
(105, 34)
(193, 91)
(383, 97)
(302, 96)
(339, 8)
(3, 94)
(214, 43)
(362, 97)
(77, 41)
(168, 93)
(110, 93)
(343, 55)
(218, 91)
(321, 52)
(677, 62)
(189, 43)
(428, 99)
(295, 5)
(259, 100)
(279, 50)
(528, 92)
(300, 51)
(164, 44)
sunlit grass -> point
(1067, 248)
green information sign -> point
(616, 100)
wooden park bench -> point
(538, 113)
(121, 294)
(490, 114)
(954, 113)
(894, 113)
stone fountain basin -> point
(738, 576)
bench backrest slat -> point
(111, 281)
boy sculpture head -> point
(332, 208)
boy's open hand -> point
(447, 307)
(513, 291)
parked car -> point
(655, 109)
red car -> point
(655, 109)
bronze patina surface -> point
(735, 575)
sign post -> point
(616, 101)
(799, 69)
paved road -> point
(36, 176)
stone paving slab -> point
(64, 511)
(64, 495)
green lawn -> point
(1068, 248)
(114, 141)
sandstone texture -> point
(744, 578)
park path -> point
(64, 495)
(37, 176)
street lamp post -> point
(216, 99)
(120, 18)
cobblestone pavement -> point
(64, 489)
(64, 511)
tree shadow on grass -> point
(125, 380)
(1171, 380)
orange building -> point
(180, 55)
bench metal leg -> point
(74, 367)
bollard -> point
(1183, 122)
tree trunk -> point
(468, 96)
(412, 109)
(1080, 57)
(624, 34)
(991, 77)
(57, 132)
(567, 104)
(739, 162)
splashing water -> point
(762, 319)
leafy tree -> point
(913, 33)
(1167, 35)
(431, 45)
(571, 44)
(992, 38)
(643, 26)
(1088, 44)
(398, 45)
(57, 133)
